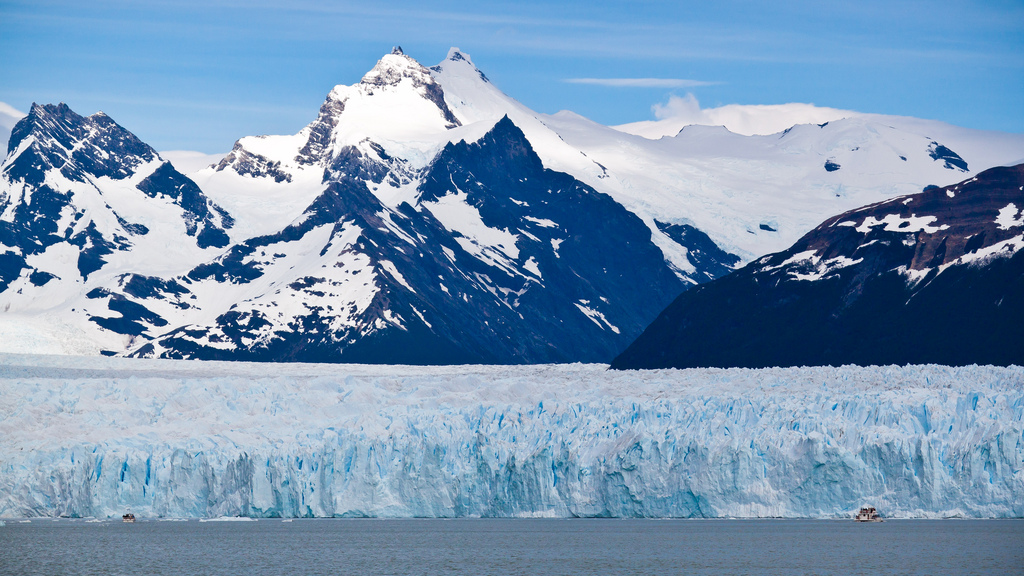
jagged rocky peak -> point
(76, 145)
(394, 75)
(92, 187)
(398, 101)
(392, 68)
(247, 162)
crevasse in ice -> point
(96, 437)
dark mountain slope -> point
(81, 181)
(424, 284)
(935, 277)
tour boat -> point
(868, 514)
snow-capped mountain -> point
(751, 195)
(480, 254)
(499, 260)
(406, 243)
(754, 195)
(423, 216)
(84, 204)
(934, 277)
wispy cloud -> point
(641, 82)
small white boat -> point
(129, 517)
(867, 514)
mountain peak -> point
(455, 55)
(503, 146)
(94, 144)
(39, 117)
(392, 68)
(459, 58)
(49, 109)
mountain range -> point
(422, 217)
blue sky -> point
(197, 75)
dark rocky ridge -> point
(710, 260)
(54, 139)
(879, 288)
(456, 309)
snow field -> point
(97, 436)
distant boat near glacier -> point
(868, 514)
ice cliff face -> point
(162, 438)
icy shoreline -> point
(96, 436)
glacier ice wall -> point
(96, 437)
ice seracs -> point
(94, 436)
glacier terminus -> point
(98, 436)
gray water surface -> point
(504, 546)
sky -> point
(197, 75)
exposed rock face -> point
(80, 182)
(423, 216)
(935, 277)
(500, 261)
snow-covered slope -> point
(189, 162)
(96, 437)
(499, 260)
(758, 194)
(751, 194)
(936, 276)
(425, 206)
(86, 206)
(749, 120)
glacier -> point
(83, 436)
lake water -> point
(522, 546)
